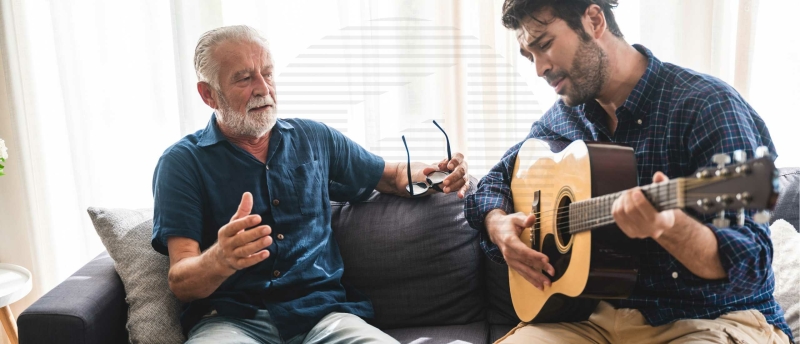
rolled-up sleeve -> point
(725, 124)
(746, 255)
(494, 191)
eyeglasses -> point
(434, 179)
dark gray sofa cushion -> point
(498, 331)
(474, 333)
(417, 259)
(88, 307)
(788, 207)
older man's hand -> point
(459, 174)
(242, 242)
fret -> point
(596, 212)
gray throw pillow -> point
(153, 311)
(788, 206)
(786, 266)
(417, 260)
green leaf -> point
(2, 174)
(1, 166)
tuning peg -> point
(762, 151)
(739, 155)
(721, 159)
(720, 221)
(740, 217)
(761, 217)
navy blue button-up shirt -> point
(199, 182)
(675, 119)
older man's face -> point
(247, 100)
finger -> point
(539, 261)
(629, 207)
(537, 279)
(236, 226)
(642, 206)
(253, 259)
(659, 177)
(252, 247)
(463, 191)
(245, 206)
(442, 165)
(530, 263)
(244, 237)
(618, 212)
(521, 220)
(458, 173)
(456, 160)
(428, 170)
(454, 181)
(529, 221)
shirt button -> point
(639, 121)
(267, 167)
(276, 273)
(275, 202)
(280, 236)
(674, 274)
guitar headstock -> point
(746, 184)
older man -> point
(271, 272)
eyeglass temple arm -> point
(446, 139)
(408, 167)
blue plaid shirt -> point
(675, 119)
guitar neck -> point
(596, 212)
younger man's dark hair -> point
(571, 11)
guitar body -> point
(597, 264)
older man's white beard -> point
(249, 124)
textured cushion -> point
(788, 207)
(498, 331)
(153, 311)
(499, 310)
(474, 333)
(417, 259)
(786, 264)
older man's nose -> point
(262, 88)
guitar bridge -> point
(536, 210)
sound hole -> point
(562, 222)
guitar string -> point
(661, 205)
(562, 217)
(585, 225)
(606, 197)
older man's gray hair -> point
(205, 66)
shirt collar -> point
(638, 102)
(212, 135)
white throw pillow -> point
(786, 264)
(153, 311)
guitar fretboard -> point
(596, 212)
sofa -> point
(417, 260)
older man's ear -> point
(207, 93)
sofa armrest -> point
(88, 307)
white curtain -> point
(92, 92)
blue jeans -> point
(333, 328)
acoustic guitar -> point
(570, 187)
